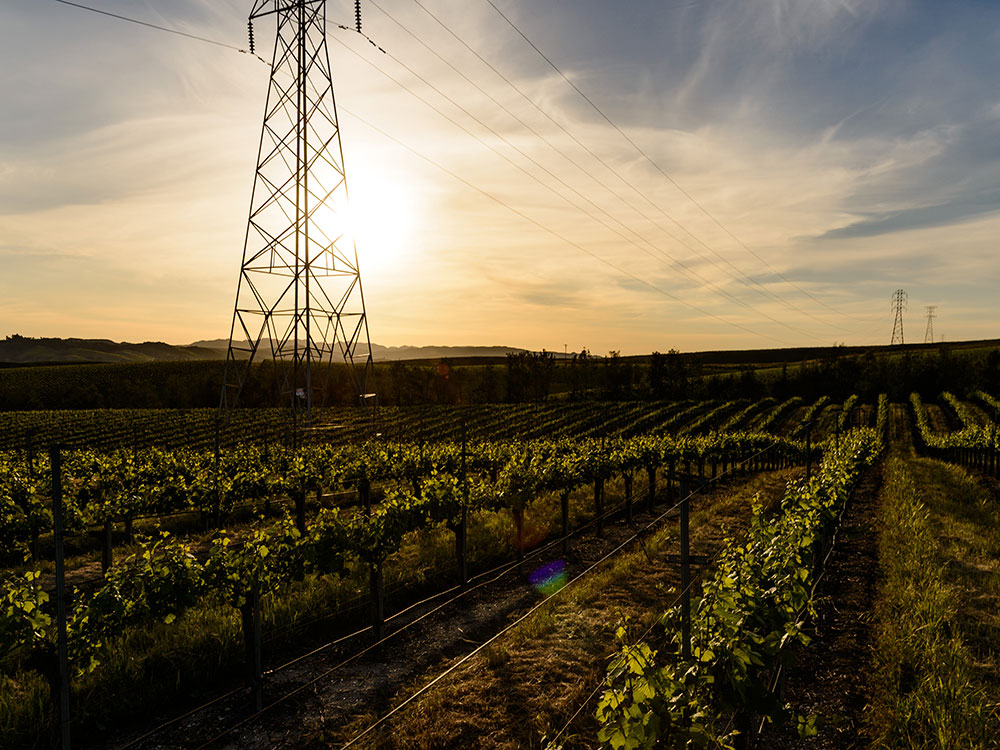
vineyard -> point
(212, 591)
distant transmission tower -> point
(929, 333)
(899, 299)
(299, 300)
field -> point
(504, 575)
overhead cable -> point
(655, 165)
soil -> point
(981, 418)
(788, 424)
(941, 422)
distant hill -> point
(23, 350)
(392, 353)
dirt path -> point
(900, 429)
(941, 422)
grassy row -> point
(925, 690)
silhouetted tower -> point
(299, 300)
(899, 299)
(929, 333)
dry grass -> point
(935, 660)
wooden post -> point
(107, 554)
(62, 649)
(31, 454)
(808, 451)
(378, 599)
(300, 510)
(250, 619)
(564, 503)
(671, 476)
(627, 477)
(218, 488)
(651, 476)
(599, 504)
(519, 532)
(461, 532)
(256, 663)
(462, 537)
(365, 494)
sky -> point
(746, 173)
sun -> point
(378, 217)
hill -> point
(24, 351)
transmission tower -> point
(299, 300)
(899, 299)
(931, 314)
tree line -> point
(521, 377)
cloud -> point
(944, 214)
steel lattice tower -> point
(931, 314)
(299, 300)
(899, 298)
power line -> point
(677, 262)
(553, 232)
(656, 166)
(690, 272)
(747, 279)
(167, 29)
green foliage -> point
(811, 413)
(268, 557)
(971, 435)
(161, 581)
(23, 619)
(749, 612)
(777, 412)
(882, 416)
(22, 512)
(843, 419)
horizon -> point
(558, 354)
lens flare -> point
(549, 578)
